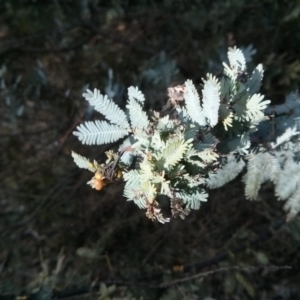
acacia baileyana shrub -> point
(196, 143)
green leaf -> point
(254, 83)
(191, 131)
(246, 284)
(207, 142)
(240, 144)
(240, 107)
(226, 90)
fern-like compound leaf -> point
(165, 124)
(138, 117)
(174, 152)
(255, 107)
(292, 205)
(127, 151)
(183, 115)
(191, 131)
(226, 90)
(261, 167)
(211, 100)
(193, 200)
(254, 82)
(292, 101)
(285, 137)
(192, 158)
(240, 108)
(248, 52)
(287, 180)
(136, 94)
(226, 116)
(146, 170)
(165, 189)
(142, 140)
(107, 107)
(231, 74)
(133, 190)
(156, 141)
(192, 103)
(82, 162)
(272, 169)
(149, 191)
(226, 173)
(208, 141)
(99, 132)
(240, 144)
(208, 156)
(236, 59)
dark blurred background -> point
(59, 239)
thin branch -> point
(95, 285)
(220, 270)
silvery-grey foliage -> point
(196, 143)
(192, 103)
(211, 100)
(106, 107)
(226, 172)
(99, 132)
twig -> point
(220, 270)
(63, 139)
(95, 286)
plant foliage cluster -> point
(198, 142)
(62, 239)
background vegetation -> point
(60, 239)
